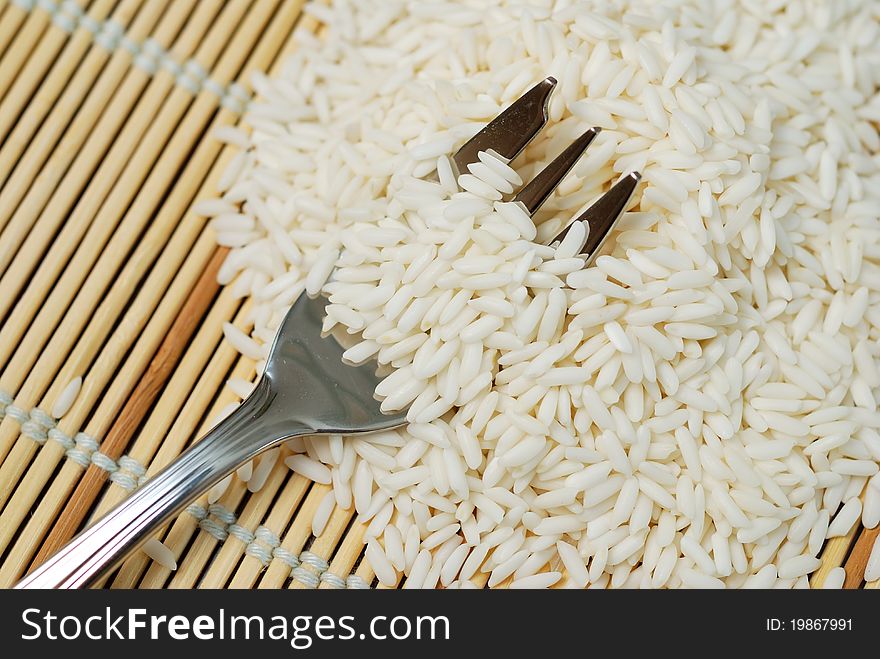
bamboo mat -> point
(106, 109)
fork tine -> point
(539, 189)
(604, 214)
(510, 132)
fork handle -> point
(105, 544)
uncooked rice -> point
(834, 579)
(66, 398)
(159, 552)
(699, 408)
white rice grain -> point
(309, 468)
(156, 550)
(322, 513)
(66, 398)
(834, 579)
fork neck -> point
(255, 425)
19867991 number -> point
(809, 624)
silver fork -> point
(306, 389)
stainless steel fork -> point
(306, 389)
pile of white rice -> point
(697, 409)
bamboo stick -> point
(7, 384)
(219, 571)
(365, 572)
(86, 214)
(46, 55)
(295, 538)
(126, 424)
(71, 471)
(114, 186)
(43, 364)
(10, 22)
(21, 47)
(39, 216)
(325, 545)
(279, 518)
(858, 557)
(480, 578)
(348, 553)
(114, 351)
(71, 77)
